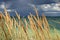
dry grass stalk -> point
(34, 28)
(46, 26)
(2, 26)
(16, 29)
(36, 12)
(8, 21)
(56, 34)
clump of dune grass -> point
(36, 28)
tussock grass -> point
(37, 28)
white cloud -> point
(32, 5)
(2, 5)
(56, 0)
(50, 7)
(5, 5)
(10, 10)
(56, 8)
(51, 12)
(46, 6)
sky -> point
(24, 7)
